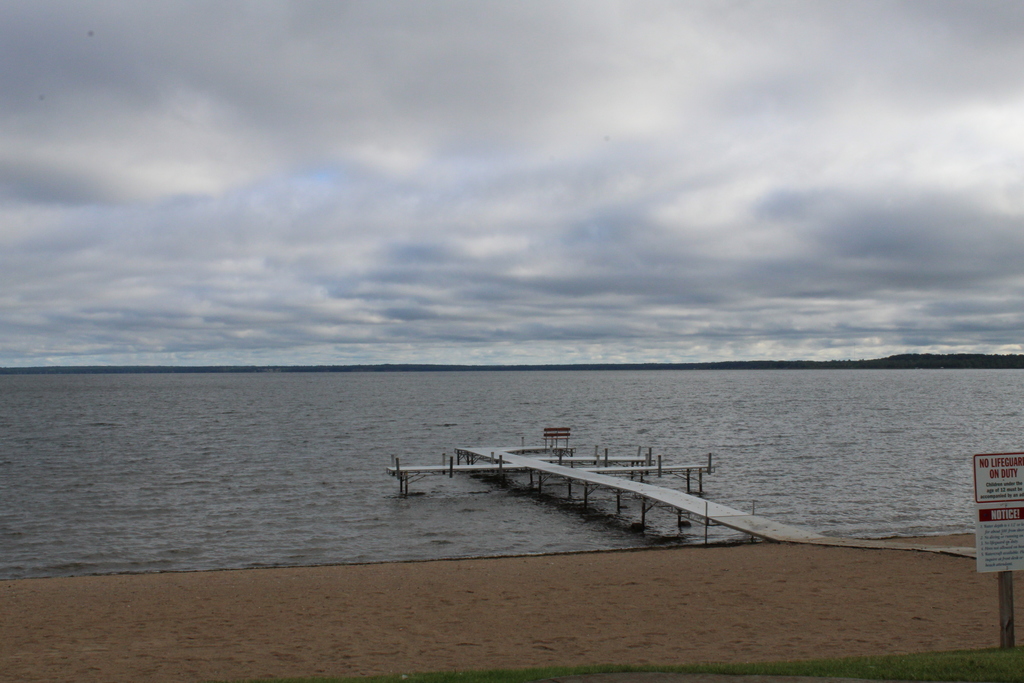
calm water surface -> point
(115, 473)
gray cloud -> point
(530, 182)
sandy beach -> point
(753, 602)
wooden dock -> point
(590, 474)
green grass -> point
(996, 666)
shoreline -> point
(459, 558)
(687, 604)
(937, 540)
(902, 361)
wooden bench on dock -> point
(556, 442)
(556, 437)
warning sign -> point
(998, 477)
(1000, 533)
(999, 525)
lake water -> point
(129, 473)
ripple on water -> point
(111, 473)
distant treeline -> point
(905, 361)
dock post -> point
(568, 488)
(639, 452)
(618, 500)
(643, 514)
(605, 457)
(586, 492)
(595, 453)
(398, 473)
(650, 457)
(451, 467)
(688, 480)
(700, 481)
(709, 463)
(501, 468)
(659, 465)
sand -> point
(752, 602)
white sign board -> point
(998, 477)
(999, 524)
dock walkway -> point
(688, 505)
(540, 463)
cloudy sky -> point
(509, 182)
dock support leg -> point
(586, 493)
(688, 480)
(700, 481)
(618, 501)
(568, 488)
(644, 507)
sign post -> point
(1006, 610)
(999, 527)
